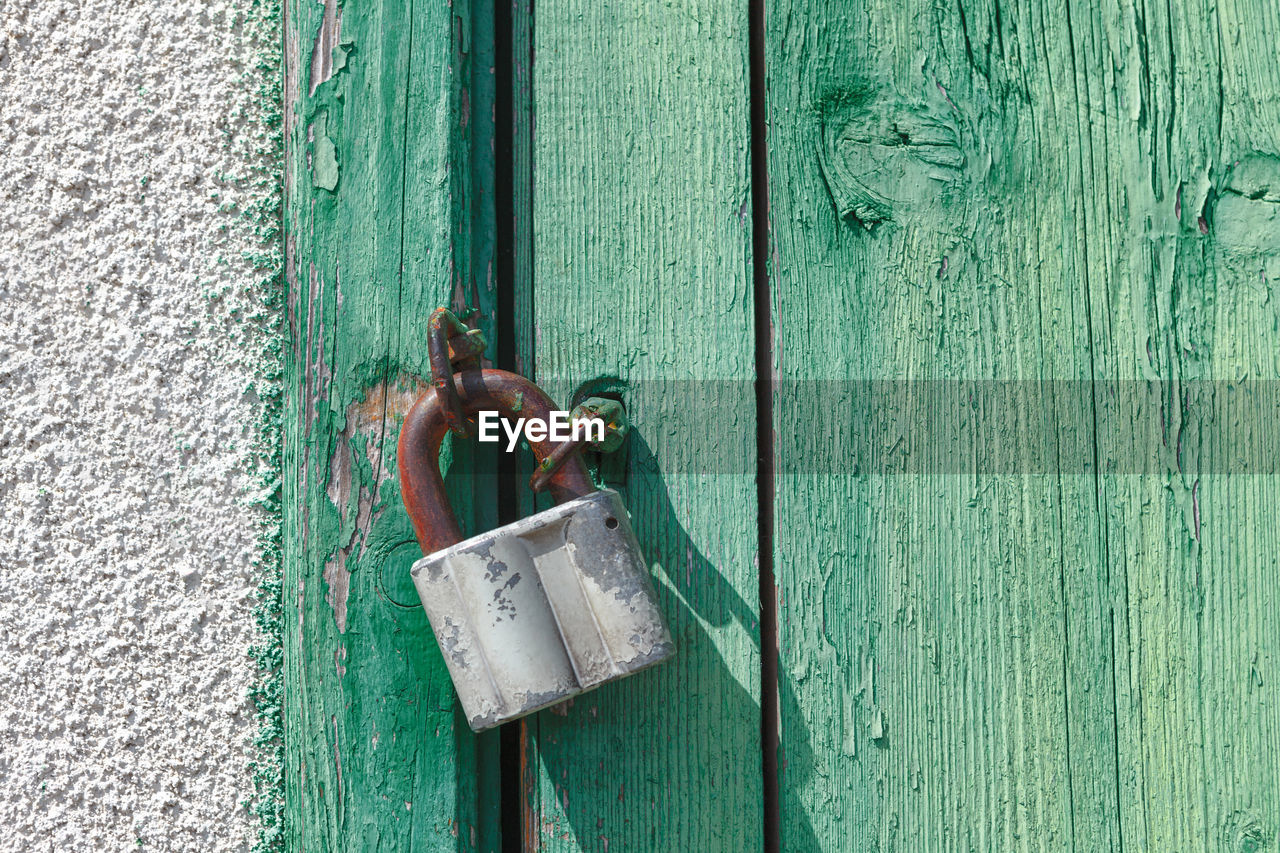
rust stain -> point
(366, 418)
(394, 402)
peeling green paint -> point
(340, 53)
(1247, 214)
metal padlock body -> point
(540, 610)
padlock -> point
(538, 611)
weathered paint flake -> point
(324, 161)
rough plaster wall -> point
(126, 521)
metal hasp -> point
(614, 416)
(610, 413)
(540, 610)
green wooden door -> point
(1037, 610)
(950, 339)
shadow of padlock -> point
(540, 610)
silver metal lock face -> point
(541, 610)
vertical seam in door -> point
(763, 331)
(510, 747)
(504, 345)
(526, 810)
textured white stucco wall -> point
(126, 521)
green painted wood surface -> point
(1042, 616)
(641, 274)
(1030, 611)
(379, 218)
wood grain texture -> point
(642, 279)
(992, 635)
(1193, 308)
(378, 221)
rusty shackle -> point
(424, 431)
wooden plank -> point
(1192, 314)
(1021, 618)
(378, 222)
(923, 621)
(642, 280)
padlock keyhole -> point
(611, 523)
